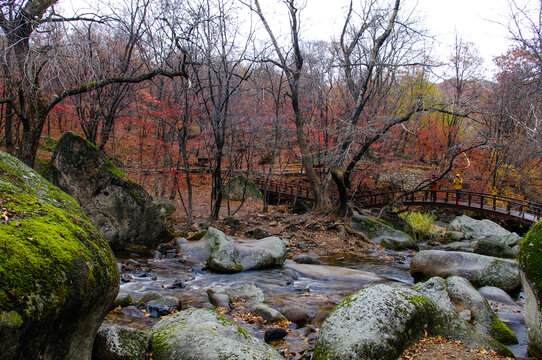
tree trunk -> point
(216, 192)
(338, 178)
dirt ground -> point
(323, 235)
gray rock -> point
(149, 296)
(115, 342)
(218, 297)
(498, 295)
(227, 256)
(327, 272)
(504, 246)
(121, 210)
(206, 335)
(463, 293)
(531, 275)
(306, 259)
(267, 312)
(258, 233)
(58, 276)
(382, 234)
(123, 300)
(133, 311)
(165, 206)
(480, 270)
(436, 289)
(241, 187)
(476, 229)
(163, 306)
(297, 315)
(379, 322)
(274, 333)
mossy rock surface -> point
(530, 261)
(241, 187)
(379, 322)
(121, 210)
(58, 276)
(206, 335)
(382, 233)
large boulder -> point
(382, 234)
(476, 229)
(504, 246)
(58, 276)
(480, 270)
(230, 256)
(206, 335)
(467, 297)
(114, 342)
(530, 260)
(121, 210)
(379, 322)
(241, 188)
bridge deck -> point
(502, 206)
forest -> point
(185, 95)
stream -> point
(317, 290)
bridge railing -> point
(477, 201)
(488, 202)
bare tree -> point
(29, 52)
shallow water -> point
(317, 290)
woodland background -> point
(185, 95)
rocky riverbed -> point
(304, 290)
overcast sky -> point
(482, 22)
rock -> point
(463, 293)
(466, 315)
(163, 306)
(258, 233)
(379, 322)
(149, 296)
(241, 188)
(121, 210)
(133, 311)
(123, 300)
(58, 276)
(327, 272)
(480, 270)
(437, 290)
(382, 234)
(218, 297)
(269, 314)
(503, 246)
(227, 256)
(530, 260)
(177, 284)
(165, 207)
(251, 296)
(476, 229)
(274, 333)
(306, 259)
(206, 335)
(115, 342)
(297, 315)
(498, 295)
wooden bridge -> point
(501, 206)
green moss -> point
(10, 319)
(48, 248)
(502, 333)
(530, 256)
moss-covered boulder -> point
(58, 276)
(121, 210)
(530, 262)
(241, 188)
(114, 342)
(379, 322)
(206, 335)
(480, 270)
(383, 234)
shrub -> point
(420, 222)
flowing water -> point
(316, 290)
